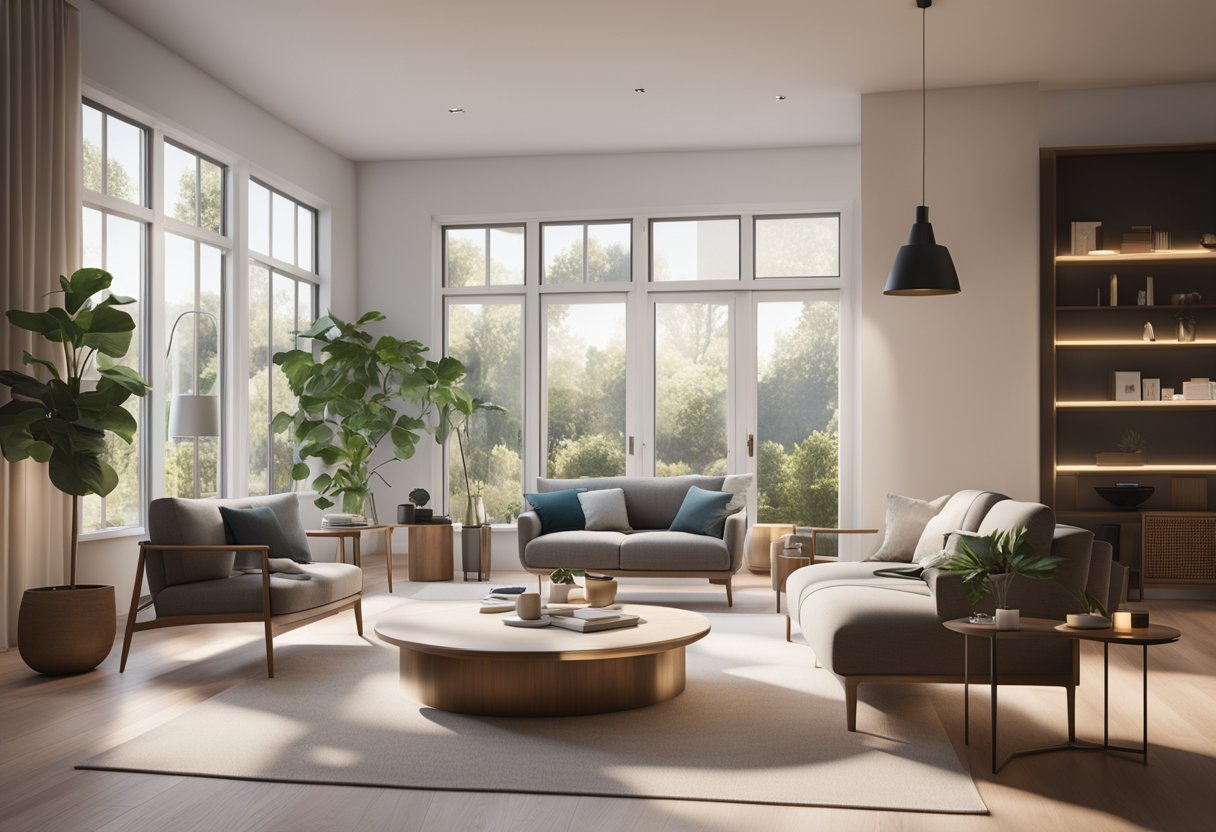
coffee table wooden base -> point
(523, 686)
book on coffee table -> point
(583, 625)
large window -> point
(281, 293)
(663, 345)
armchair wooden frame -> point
(781, 566)
(274, 624)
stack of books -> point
(594, 620)
(343, 521)
(1139, 240)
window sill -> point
(111, 534)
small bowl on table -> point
(1125, 497)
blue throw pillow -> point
(703, 512)
(258, 526)
(559, 511)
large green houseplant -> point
(63, 420)
(357, 391)
(991, 562)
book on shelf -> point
(583, 625)
(1086, 237)
(1139, 240)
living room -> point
(439, 171)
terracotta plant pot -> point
(600, 593)
(61, 631)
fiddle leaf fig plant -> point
(63, 420)
(359, 391)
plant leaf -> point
(83, 284)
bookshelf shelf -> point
(1131, 469)
(1132, 344)
(1132, 406)
(1150, 257)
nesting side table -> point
(430, 554)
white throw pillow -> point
(605, 510)
(943, 556)
(906, 520)
(737, 485)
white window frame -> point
(641, 293)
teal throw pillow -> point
(703, 512)
(559, 511)
(258, 526)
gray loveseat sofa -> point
(870, 629)
(649, 550)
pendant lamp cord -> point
(922, 106)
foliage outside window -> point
(483, 256)
(598, 252)
(797, 246)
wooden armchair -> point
(189, 566)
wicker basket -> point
(1179, 548)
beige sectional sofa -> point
(649, 550)
(869, 629)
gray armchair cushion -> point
(328, 582)
(674, 551)
(575, 550)
(258, 526)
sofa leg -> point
(726, 582)
(850, 704)
(359, 616)
(1072, 712)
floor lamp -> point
(192, 416)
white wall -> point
(949, 385)
(120, 61)
(1161, 114)
(398, 201)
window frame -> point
(586, 225)
(488, 227)
(695, 284)
(756, 218)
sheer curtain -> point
(39, 240)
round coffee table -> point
(465, 661)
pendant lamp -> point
(922, 267)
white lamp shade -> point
(191, 416)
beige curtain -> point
(39, 240)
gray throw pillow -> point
(946, 554)
(906, 520)
(604, 510)
(258, 526)
(736, 485)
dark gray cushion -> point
(674, 552)
(575, 550)
(652, 502)
(702, 512)
(258, 526)
(328, 582)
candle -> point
(1128, 620)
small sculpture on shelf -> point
(1149, 335)
(1186, 329)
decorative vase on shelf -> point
(470, 512)
(369, 510)
(1006, 619)
(480, 511)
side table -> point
(1043, 628)
(352, 533)
(430, 553)
(756, 544)
(783, 565)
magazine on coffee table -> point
(583, 625)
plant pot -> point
(61, 631)
(405, 513)
(423, 515)
(560, 593)
(470, 549)
(1087, 621)
(1008, 619)
(600, 593)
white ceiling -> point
(373, 79)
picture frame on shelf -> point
(1150, 389)
(1125, 386)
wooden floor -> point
(49, 725)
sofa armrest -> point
(734, 533)
(527, 529)
(950, 595)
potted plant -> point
(63, 421)
(1094, 616)
(457, 407)
(561, 581)
(359, 391)
(420, 497)
(992, 562)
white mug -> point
(527, 606)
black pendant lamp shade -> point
(922, 267)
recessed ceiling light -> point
(639, 89)
(780, 97)
(455, 110)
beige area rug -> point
(756, 724)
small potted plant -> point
(561, 581)
(1095, 616)
(992, 562)
(420, 497)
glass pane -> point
(259, 218)
(125, 160)
(695, 249)
(563, 248)
(211, 196)
(123, 503)
(305, 313)
(90, 238)
(259, 378)
(585, 389)
(91, 148)
(125, 262)
(283, 219)
(797, 390)
(210, 357)
(507, 256)
(798, 247)
(283, 325)
(609, 252)
(91, 513)
(306, 221)
(465, 252)
(179, 365)
(691, 346)
(180, 181)
(488, 339)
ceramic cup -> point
(527, 606)
(1007, 620)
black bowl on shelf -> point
(1125, 497)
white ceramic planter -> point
(1087, 621)
(1008, 619)
(560, 593)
